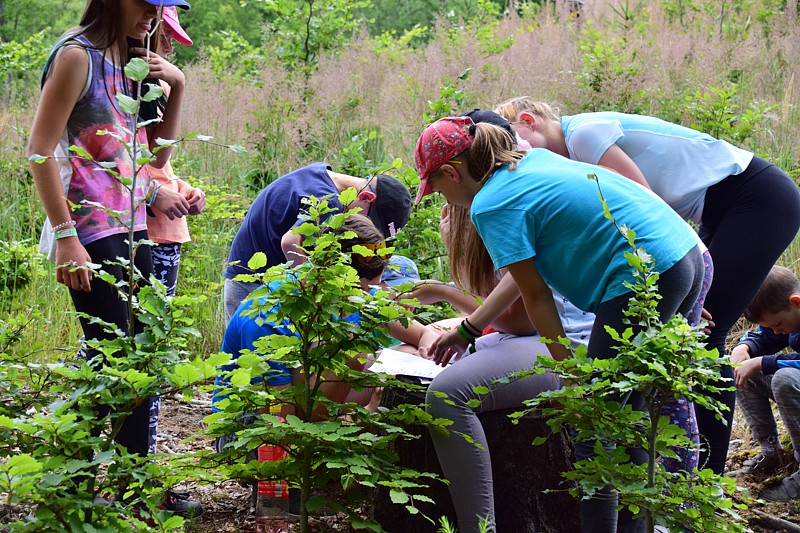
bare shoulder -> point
(70, 66)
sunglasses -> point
(378, 249)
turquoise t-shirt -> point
(679, 163)
(547, 209)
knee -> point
(786, 384)
(445, 394)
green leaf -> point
(398, 496)
(137, 69)
(80, 151)
(258, 261)
(126, 103)
(348, 196)
(154, 92)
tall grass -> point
(640, 59)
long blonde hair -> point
(470, 265)
(513, 108)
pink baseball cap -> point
(438, 144)
(170, 17)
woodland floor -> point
(228, 505)
(228, 508)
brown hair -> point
(366, 233)
(470, 264)
(773, 295)
(511, 109)
(102, 21)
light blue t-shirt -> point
(679, 163)
(547, 209)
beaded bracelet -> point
(63, 225)
(153, 195)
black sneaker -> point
(178, 502)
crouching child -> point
(765, 374)
(299, 343)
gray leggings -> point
(754, 401)
(234, 293)
(467, 466)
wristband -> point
(467, 336)
(66, 232)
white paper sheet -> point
(400, 363)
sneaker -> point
(789, 489)
(762, 465)
(178, 502)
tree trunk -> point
(520, 478)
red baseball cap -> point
(170, 17)
(438, 144)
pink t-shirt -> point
(160, 228)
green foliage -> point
(20, 263)
(235, 58)
(396, 49)
(481, 24)
(657, 360)
(21, 62)
(19, 19)
(327, 441)
(451, 97)
(58, 421)
(717, 111)
(387, 16)
(609, 75)
(359, 157)
(270, 141)
(300, 30)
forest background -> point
(354, 82)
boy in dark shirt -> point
(764, 376)
(279, 208)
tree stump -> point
(520, 477)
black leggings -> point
(104, 302)
(748, 221)
(679, 288)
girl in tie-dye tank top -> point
(89, 210)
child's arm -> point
(503, 295)
(415, 334)
(194, 195)
(290, 245)
(170, 123)
(60, 93)
(618, 161)
(540, 306)
(764, 341)
(508, 320)
(746, 371)
(740, 354)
